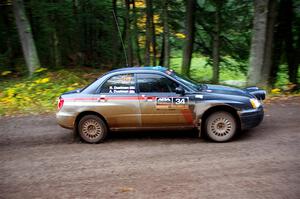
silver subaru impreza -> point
(140, 98)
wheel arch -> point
(84, 113)
(217, 108)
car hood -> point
(219, 89)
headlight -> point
(255, 103)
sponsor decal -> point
(121, 89)
(164, 100)
(172, 102)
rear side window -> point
(122, 84)
(153, 83)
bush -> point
(37, 94)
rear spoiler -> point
(257, 92)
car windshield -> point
(186, 81)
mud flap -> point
(199, 129)
(75, 135)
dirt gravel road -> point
(38, 159)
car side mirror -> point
(179, 90)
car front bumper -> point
(251, 118)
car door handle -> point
(102, 98)
(148, 98)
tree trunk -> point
(136, 35)
(128, 34)
(279, 34)
(290, 51)
(162, 53)
(84, 35)
(258, 41)
(55, 39)
(190, 35)
(26, 39)
(153, 38)
(283, 43)
(115, 43)
(75, 7)
(216, 42)
(166, 35)
(270, 45)
(6, 45)
(56, 49)
(148, 32)
(276, 58)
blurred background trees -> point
(208, 40)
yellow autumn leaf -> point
(42, 81)
(180, 35)
(140, 4)
(10, 92)
(70, 88)
(41, 69)
(275, 91)
(5, 72)
(141, 22)
(156, 18)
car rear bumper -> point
(251, 118)
(65, 120)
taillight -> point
(60, 103)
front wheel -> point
(220, 126)
(92, 129)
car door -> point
(160, 105)
(118, 102)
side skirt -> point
(153, 128)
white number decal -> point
(180, 101)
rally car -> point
(155, 98)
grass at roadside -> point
(39, 93)
(202, 71)
(230, 73)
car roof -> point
(142, 68)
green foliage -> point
(39, 93)
(201, 69)
(206, 5)
(235, 30)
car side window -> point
(122, 84)
(154, 83)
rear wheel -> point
(220, 126)
(92, 129)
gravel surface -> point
(38, 159)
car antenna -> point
(120, 35)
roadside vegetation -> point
(39, 93)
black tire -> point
(220, 126)
(92, 129)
